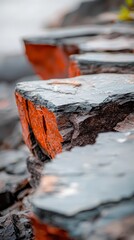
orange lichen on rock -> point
(47, 232)
(49, 61)
(43, 124)
(74, 69)
(44, 127)
(23, 113)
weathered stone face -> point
(91, 63)
(57, 115)
(61, 114)
(50, 55)
(87, 190)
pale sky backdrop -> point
(20, 18)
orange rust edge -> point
(45, 129)
(22, 109)
(48, 61)
(74, 70)
(43, 124)
(47, 232)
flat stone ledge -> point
(57, 115)
(96, 193)
(103, 44)
(91, 63)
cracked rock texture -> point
(57, 115)
(16, 226)
(92, 199)
(60, 114)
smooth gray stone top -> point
(105, 44)
(56, 35)
(102, 58)
(93, 89)
(88, 177)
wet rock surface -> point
(90, 63)
(94, 198)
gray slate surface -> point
(90, 63)
(86, 190)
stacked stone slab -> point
(88, 193)
(49, 55)
(57, 115)
(90, 63)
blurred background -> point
(19, 18)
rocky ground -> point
(72, 112)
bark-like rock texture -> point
(49, 55)
(91, 63)
(88, 193)
(16, 226)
